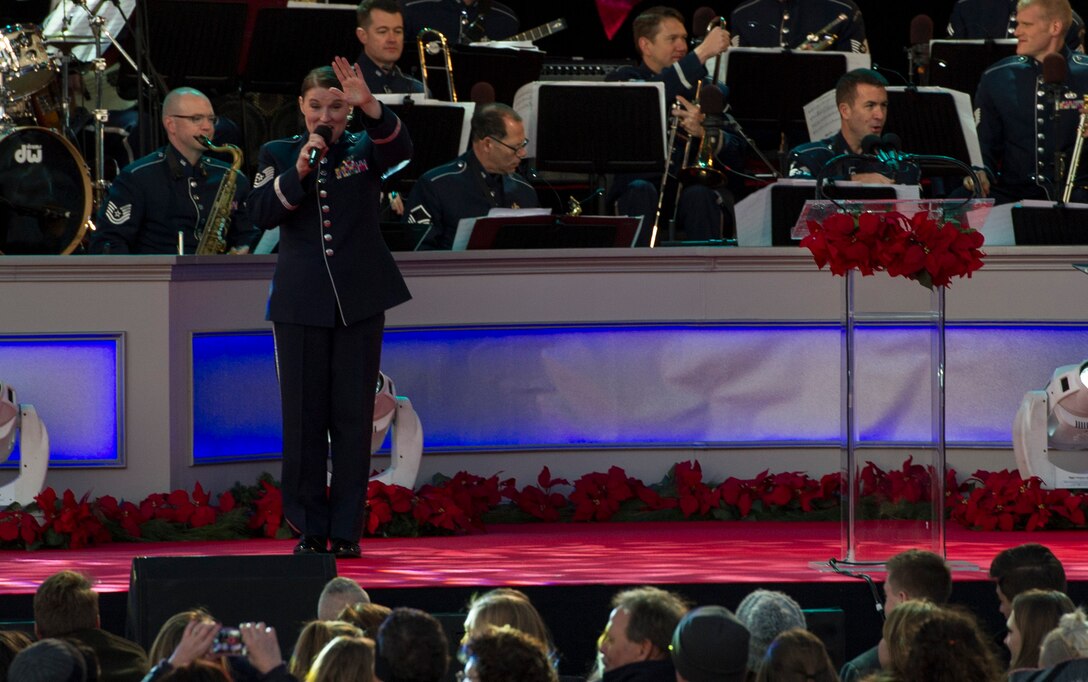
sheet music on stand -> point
(465, 226)
(929, 120)
(538, 229)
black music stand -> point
(928, 123)
(193, 43)
(1050, 225)
(506, 69)
(436, 137)
(600, 140)
(290, 41)
(959, 64)
(756, 92)
(553, 232)
(787, 202)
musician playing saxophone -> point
(161, 202)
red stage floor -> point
(559, 554)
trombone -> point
(433, 43)
(1078, 146)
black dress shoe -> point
(311, 544)
(345, 549)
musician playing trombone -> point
(703, 213)
(1027, 115)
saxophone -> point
(213, 239)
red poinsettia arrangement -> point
(987, 501)
(920, 247)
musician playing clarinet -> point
(704, 213)
(1027, 108)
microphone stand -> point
(734, 125)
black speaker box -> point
(280, 590)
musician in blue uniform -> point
(163, 200)
(461, 21)
(381, 32)
(1019, 130)
(862, 99)
(703, 213)
(788, 23)
(334, 280)
(483, 178)
(981, 19)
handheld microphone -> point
(325, 132)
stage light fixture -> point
(20, 424)
(1055, 418)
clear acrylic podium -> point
(892, 320)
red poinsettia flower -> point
(438, 507)
(598, 496)
(384, 501)
(651, 498)
(269, 510)
(47, 503)
(19, 525)
(155, 506)
(227, 502)
(542, 505)
(742, 494)
(696, 497)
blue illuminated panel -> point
(73, 383)
(667, 386)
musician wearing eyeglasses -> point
(982, 19)
(1023, 121)
(862, 99)
(381, 33)
(461, 21)
(832, 25)
(471, 185)
(160, 203)
(703, 213)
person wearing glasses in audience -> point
(160, 203)
(482, 178)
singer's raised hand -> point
(353, 88)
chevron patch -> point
(263, 177)
(118, 214)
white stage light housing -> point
(1053, 419)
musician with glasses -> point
(160, 203)
(381, 32)
(483, 178)
(1019, 130)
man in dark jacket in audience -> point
(635, 644)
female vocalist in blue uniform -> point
(334, 280)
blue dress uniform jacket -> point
(333, 262)
(996, 19)
(1018, 129)
(389, 82)
(462, 189)
(787, 23)
(156, 197)
(807, 160)
(451, 16)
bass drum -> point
(45, 193)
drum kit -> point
(46, 195)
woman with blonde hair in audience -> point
(170, 633)
(506, 607)
(796, 655)
(1034, 614)
(899, 629)
(950, 647)
(344, 659)
(314, 637)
